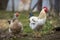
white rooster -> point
(36, 23)
(15, 26)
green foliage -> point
(24, 18)
(47, 27)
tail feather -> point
(30, 14)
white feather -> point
(35, 21)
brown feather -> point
(16, 27)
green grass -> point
(24, 18)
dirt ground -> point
(52, 36)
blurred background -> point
(24, 7)
(8, 7)
(21, 5)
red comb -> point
(46, 9)
(17, 14)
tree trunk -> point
(3, 4)
(39, 5)
(57, 7)
(57, 10)
(13, 5)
